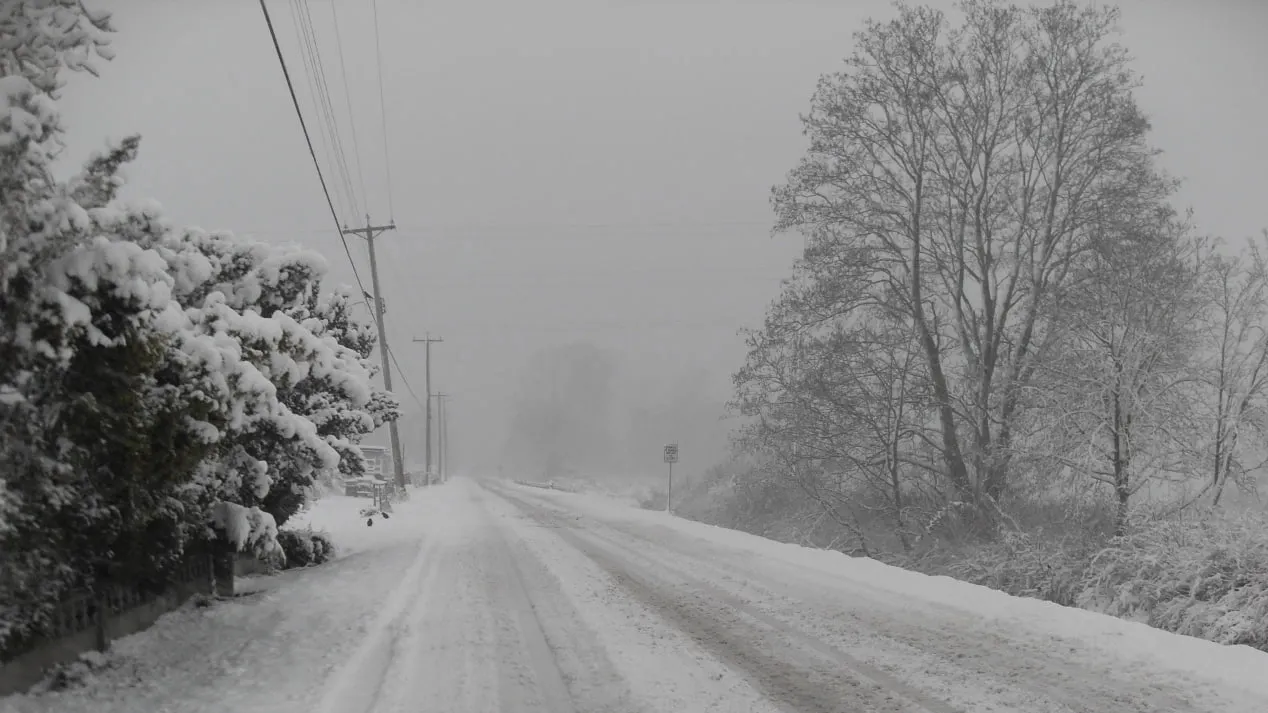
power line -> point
(387, 156)
(305, 56)
(317, 69)
(603, 225)
(312, 152)
(446, 230)
(475, 329)
(328, 104)
(347, 95)
(320, 80)
(401, 372)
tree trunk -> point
(951, 453)
(1122, 484)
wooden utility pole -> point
(427, 342)
(370, 232)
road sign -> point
(671, 453)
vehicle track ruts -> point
(1072, 684)
(796, 672)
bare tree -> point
(951, 179)
(1237, 375)
(1121, 385)
(839, 403)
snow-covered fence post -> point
(223, 554)
(238, 529)
(102, 602)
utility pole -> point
(427, 342)
(370, 232)
(443, 431)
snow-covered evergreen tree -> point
(343, 410)
(158, 387)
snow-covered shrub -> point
(158, 387)
(75, 674)
(1205, 575)
(305, 547)
(336, 396)
(303, 363)
(298, 546)
(1028, 564)
(323, 548)
(247, 529)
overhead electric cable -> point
(311, 151)
(326, 103)
(387, 155)
(342, 188)
(347, 95)
(401, 372)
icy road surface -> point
(483, 598)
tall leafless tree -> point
(951, 179)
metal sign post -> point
(671, 457)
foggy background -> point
(580, 188)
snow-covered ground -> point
(270, 650)
(494, 597)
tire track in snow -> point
(588, 676)
(798, 672)
(1047, 675)
(448, 657)
(1049, 680)
(544, 688)
(619, 655)
(351, 690)
(488, 640)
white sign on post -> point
(671, 453)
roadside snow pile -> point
(340, 518)
(1237, 665)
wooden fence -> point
(90, 621)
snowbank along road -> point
(516, 599)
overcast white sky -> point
(566, 170)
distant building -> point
(378, 463)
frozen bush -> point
(1205, 575)
(305, 548)
(323, 548)
(298, 546)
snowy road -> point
(791, 638)
(511, 599)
